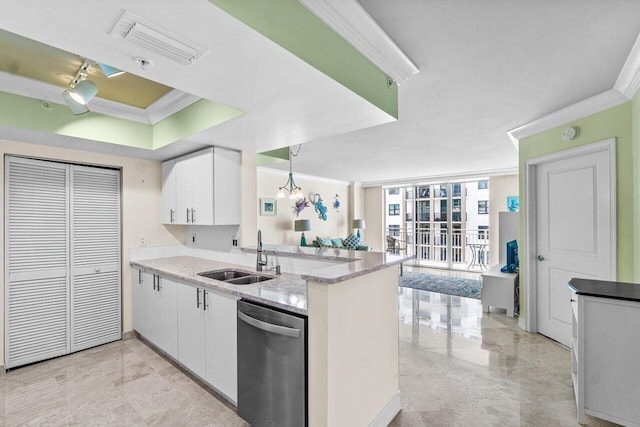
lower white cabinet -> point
(195, 326)
(155, 312)
(604, 358)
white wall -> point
(500, 187)
(278, 229)
(141, 182)
(374, 217)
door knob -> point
(540, 258)
(97, 269)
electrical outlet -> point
(193, 238)
(235, 242)
(143, 242)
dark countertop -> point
(606, 289)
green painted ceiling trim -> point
(295, 28)
(278, 155)
(195, 118)
(23, 112)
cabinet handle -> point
(187, 215)
(193, 216)
(158, 284)
(572, 300)
(139, 277)
(204, 300)
(198, 298)
(154, 282)
(171, 215)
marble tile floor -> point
(458, 367)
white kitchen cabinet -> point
(191, 328)
(222, 344)
(605, 348)
(169, 192)
(139, 280)
(207, 341)
(161, 314)
(207, 188)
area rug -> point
(468, 288)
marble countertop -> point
(354, 263)
(287, 291)
(606, 289)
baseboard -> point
(128, 335)
(388, 413)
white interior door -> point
(95, 257)
(573, 233)
(36, 254)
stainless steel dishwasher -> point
(272, 366)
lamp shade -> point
(110, 71)
(302, 225)
(358, 224)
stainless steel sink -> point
(224, 275)
(247, 280)
(234, 277)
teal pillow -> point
(337, 243)
(324, 243)
(352, 242)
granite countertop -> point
(606, 289)
(287, 291)
(354, 263)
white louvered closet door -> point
(36, 261)
(95, 257)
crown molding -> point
(628, 81)
(169, 104)
(349, 19)
(625, 88)
(164, 107)
(434, 179)
(595, 104)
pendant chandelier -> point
(290, 186)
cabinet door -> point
(166, 316)
(184, 189)
(221, 341)
(169, 192)
(137, 300)
(202, 169)
(226, 178)
(151, 330)
(191, 348)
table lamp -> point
(358, 224)
(302, 225)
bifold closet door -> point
(95, 257)
(36, 261)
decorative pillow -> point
(337, 243)
(352, 242)
(324, 243)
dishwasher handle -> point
(276, 329)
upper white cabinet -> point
(202, 188)
(169, 192)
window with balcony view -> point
(441, 222)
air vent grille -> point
(156, 39)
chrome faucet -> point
(259, 260)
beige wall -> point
(373, 215)
(500, 187)
(353, 363)
(141, 182)
(278, 229)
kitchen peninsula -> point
(350, 299)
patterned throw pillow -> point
(324, 243)
(351, 242)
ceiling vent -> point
(156, 39)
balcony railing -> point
(469, 248)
